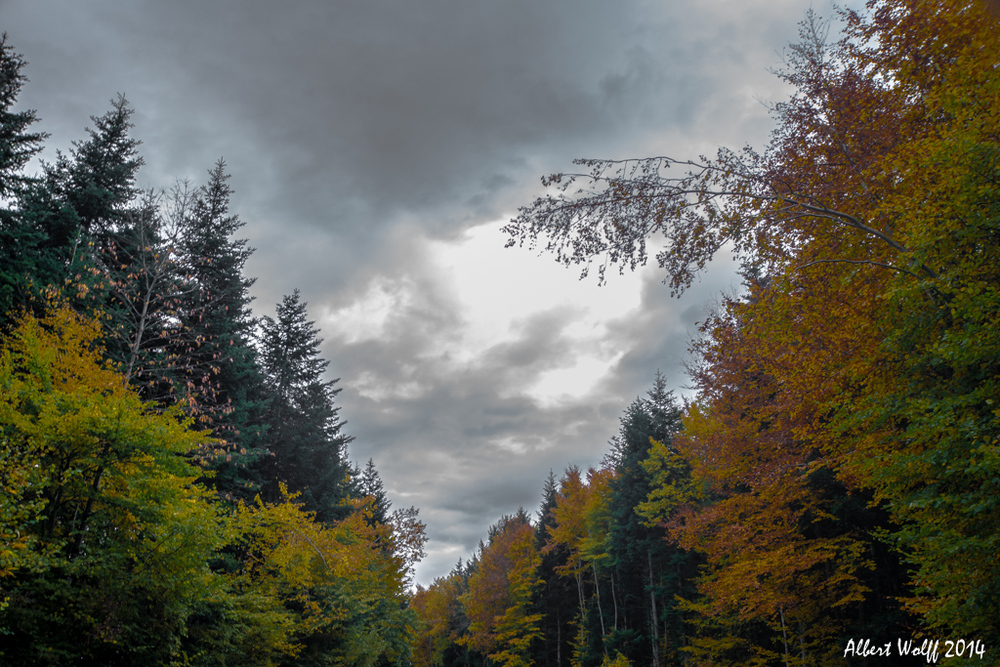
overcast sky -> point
(377, 146)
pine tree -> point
(218, 368)
(20, 262)
(368, 484)
(556, 600)
(306, 446)
(644, 563)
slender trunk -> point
(558, 638)
(76, 243)
(78, 542)
(614, 598)
(597, 592)
(137, 342)
(655, 617)
(680, 590)
(784, 632)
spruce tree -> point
(367, 483)
(557, 599)
(307, 450)
(645, 565)
(17, 144)
(218, 370)
(20, 243)
(92, 231)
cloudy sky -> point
(376, 148)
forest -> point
(831, 496)
(176, 481)
(177, 487)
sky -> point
(376, 149)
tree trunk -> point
(558, 638)
(614, 598)
(597, 592)
(654, 618)
(784, 632)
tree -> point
(111, 535)
(865, 220)
(343, 596)
(926, 434)
(441, 620)
(307, 449)
(556, 600)
(219, 375)
(19, 261)
(840, 125)
(368, 484)
(498, 600)
(92, 233)
(17, 144)
(649, 573)
(580, 530)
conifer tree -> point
(17, 144)
(368, 484)
(220, 371)
(307, 450)
(18, 241)
(557, 599)
(93, 232)
(643, 562)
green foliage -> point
(306, 445)
(861, 364)
(498, 600)
(113, 536)
(126, 334)
(218, 373)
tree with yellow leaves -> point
(502, 625)
(106, 536)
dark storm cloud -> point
(357, 129)
(343, 116)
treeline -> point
(176, 487)
(590, 580)
(837, 478)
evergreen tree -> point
(98, 179)
(368, 484)
(92, 232)
(305, 443)
(17, 144)
(219, 371)
(645, 565)
(557, 599)
(19, 261)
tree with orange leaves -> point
(864, 353)
(502, 625)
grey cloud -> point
(352, 127)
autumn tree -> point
(343, 595)
(926, 435)
(862, 226)
(111, 538)
(443, 625)
(498, 601)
